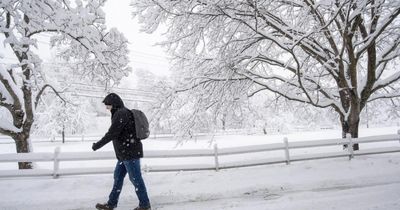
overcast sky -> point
(143, 52)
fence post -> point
(216, 157)
(398, 132)
(350, 146)
(285, 140)
(56, 162)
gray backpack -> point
(141, 124)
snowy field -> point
(364, 183)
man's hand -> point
(94, 147)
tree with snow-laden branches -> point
(79, 28)
(326, 53)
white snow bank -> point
(368, 182)
(364, 183)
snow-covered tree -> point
(56, 117)
(155, 89)
(326, 53)
(80, 26)
(69, 113)
(384, 112)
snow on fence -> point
(95, 137)
(214, 154)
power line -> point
(46, 35)
(6, 63)
(9, 58)
(146, 54)
(150, 57)
(124, 98)
(151, 64)
(43, 42)
(62, 64)
(116, 88)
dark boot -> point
(104, 206)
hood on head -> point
(113, 100)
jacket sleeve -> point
(118, 122)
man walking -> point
(128, 151)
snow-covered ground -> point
(364, 183)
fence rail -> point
(95, 137)
(215, 153)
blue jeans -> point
(132, 167)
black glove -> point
(94, 147)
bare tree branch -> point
(43, 89)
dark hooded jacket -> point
(121, 131)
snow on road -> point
(364, 183)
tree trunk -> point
(354, 132)
(63, 135)
(223, 121)
(351, 126)
(22, 144)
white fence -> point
(95, 137)
(214, 154)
